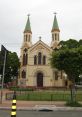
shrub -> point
(20, 89)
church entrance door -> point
(39, 79)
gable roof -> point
(40, 42)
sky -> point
(13, 17)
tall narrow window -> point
(58, 37)
(26, 59)
(55, 36)
(29, 38)
(44, 60)
(23, 59)
(35, 60)
(26, 37)
(52, 37)
(23, 74)
(39, 58)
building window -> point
(35, 60)
(58, 37)
(52, 37)
(23, 74)
(55, 36)
(66, 83)
(23, 59)
(25, 50)
(56, 75)
(29, 39)
(39, 58)
(26, 37)
(44, 60)
(26, 59)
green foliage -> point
(20, 89)
(68, 59)
(12, 65)
(71, 43)
(80, 42)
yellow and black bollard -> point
(13, 113)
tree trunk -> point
(73, 91)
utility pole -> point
(3, 74)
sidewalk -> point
(32, 103)
(39, 105)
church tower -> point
(28, 34)
(27, 43)
(55, 34)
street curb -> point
(39, 109)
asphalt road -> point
(6, 113)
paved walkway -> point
(32, 103)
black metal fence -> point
(56, 95)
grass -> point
(48, 96)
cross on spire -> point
(28, 15)
(55, 13)
(40, 37)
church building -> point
(35, 68)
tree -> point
(80, 42)
(69, 60)
(71, 43)
(12, 65)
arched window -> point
(39, 58)
(26, 37)
(25, 56)
(23, 59)
(23, 74)
(35, 60)
(44, 60)
(52, 37)
(29, 39)
(25, 50)
(55, 36)
(26, 59)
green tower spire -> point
(55, 24)
(28, 27)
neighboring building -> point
(35, 68)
